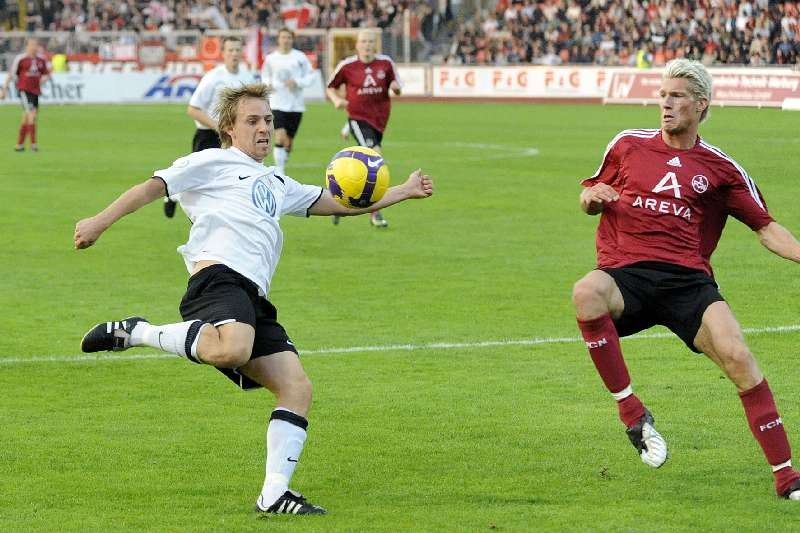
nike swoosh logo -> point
(291, 460)
(243, 177)
(373, 164)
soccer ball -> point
(357, 177)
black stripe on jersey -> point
(321, 190)
(166, 187)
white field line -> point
(364, 349)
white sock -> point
(171, 338)
(281, 157)
(285, 440)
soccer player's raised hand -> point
(595, 197)
(419, 185)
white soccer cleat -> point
(648, 442)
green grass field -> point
(433, 408)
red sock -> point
(767, 427)
(23, 130)
(602, 340)
(32, 132)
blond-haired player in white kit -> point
(287, 71)
(235, 204)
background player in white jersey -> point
(204, 100)
(287, 71)
(235, 203)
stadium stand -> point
(547, 32)
(630, 32)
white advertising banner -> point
(521, 82)
(128, 87)
(767, 87)
(413, 79)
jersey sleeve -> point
(203, 94)
(338, 78)
(186, 173)
(306, 72)
(266, 71)
(609, 168)
(299, 198)
(744, 201)
(393, 75)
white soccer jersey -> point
(206, 95)
(278, 68)
(235, 203)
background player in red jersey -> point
(367, 78)
(30, 71)
(664, 196)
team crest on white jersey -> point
(674, 162)
(700, 184)
(263, 197)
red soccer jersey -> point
(29, 71)
(367, 88)
(673, 203)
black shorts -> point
(220, 295)
(365, 134)
(664, 294)
(205, 139)
(29, 101)
(287, 120)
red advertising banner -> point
(750, 87)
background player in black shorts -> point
(287, 71)
(30, 71)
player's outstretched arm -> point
(594, 198)
(780, 241)
(88, 230)
(418, 185)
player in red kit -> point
(30, 71)
(664, 196)
(368, 78)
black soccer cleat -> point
(169, 208)
(648, 442)
(290, 503)
(110, 336)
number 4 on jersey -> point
(669, 182)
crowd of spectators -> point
(167, 15)
(550, 32)
(630, 32)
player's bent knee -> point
(586, 292)
(228, 357)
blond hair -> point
(228, 105)
(698, 78)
